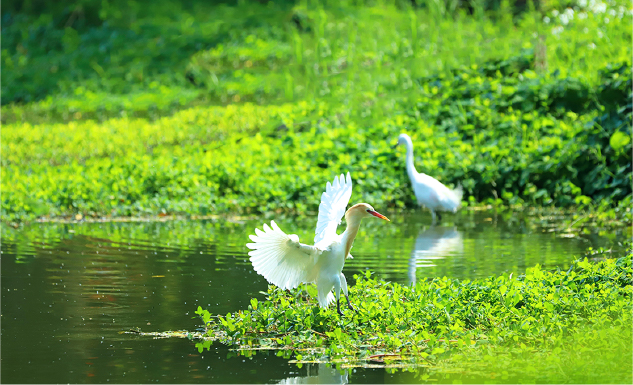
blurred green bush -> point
(252, 108)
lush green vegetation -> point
(531, 325)
(114, 109)
(533, 108)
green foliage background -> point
(116, 109)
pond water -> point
(70, 290)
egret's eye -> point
(368, 210)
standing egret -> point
(429, 192)
(286, 263)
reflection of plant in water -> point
(603, 253)
(439, 321)
(529, 236)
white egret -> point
(286, 263)
(429, 192)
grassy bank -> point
(529, 109)
(531, 325)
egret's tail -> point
(459, 193)
(325, 298)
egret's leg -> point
(433, 215)
(337, 291)
(344, 287)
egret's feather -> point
(325, 296)
(282, 261)
(332, 208)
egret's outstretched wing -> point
(280, 257)
(332, 208)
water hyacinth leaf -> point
(552, 309)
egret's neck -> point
(410, 167)
(353, 223)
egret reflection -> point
(318, 374)
(436, 242)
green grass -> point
(211, 109)
(541, 326)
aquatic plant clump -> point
(441, 322)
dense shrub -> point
(531, 114)
(251, 158)
(115, 133)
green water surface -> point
(70, 290)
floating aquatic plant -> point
(438, 321)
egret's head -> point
(363, 210)
(402, 139)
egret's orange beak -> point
(377, 214)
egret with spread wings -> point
(286, 262)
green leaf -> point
(619, 140)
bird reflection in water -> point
(318, 374)
(436, 242)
